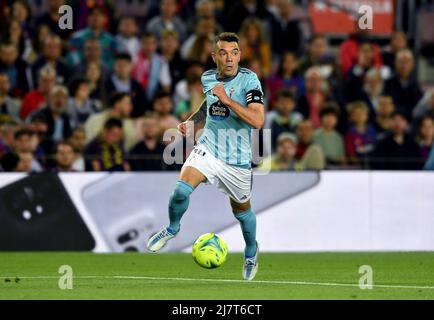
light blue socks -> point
(247, 220)
(178, 204)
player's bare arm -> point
(253, 114)
(198, 118)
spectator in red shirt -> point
(37, 98)
(350, 47)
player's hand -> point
(220, 92)
(182, 128)
(186, 128)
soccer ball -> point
(210, 251)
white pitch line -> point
(307, 283)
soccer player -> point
(222, 155)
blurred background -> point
(99, 97)
(350, 112)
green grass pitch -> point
(176, 276)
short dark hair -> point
(22, 132)
(123, 56)
(112, 123)
(285, 93)
(329, 108)
(162, 94)
(148, 34)
(116, 97)
(226, 36)
(9, 162)
(76, 83)
(63, 143)
(96, 9)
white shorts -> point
(233, 181)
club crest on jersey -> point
(218, 111)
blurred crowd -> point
(99, 97)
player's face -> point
(227, 57)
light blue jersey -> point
(225, 134)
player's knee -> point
(181, 192)
(238, 208)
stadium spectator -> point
(92, 54)
(316, 94)
(28, 163)
(371, 91)
(283, 118)
(319, 54)
(284, 157)
(330, 141)
(95, 30)
(96, 83)
(193, 70)
(58, 120)
(205, 26)
(17, 36)
(425, 136)
(150, 69)
(360, 137)
(78, 142)
(286, 77)
(383, 119)
(127, 36)
(285, 32)
(169, 50)
(185, 108)
(202, 49)
(398, 150)
(15, 68)
(147, 155)
(37, 98)
(238, 11)
(120, 107)
(309, 155)
(357, 74)
(64, 156)
(106, 152)
(27, 142)
(7, 136)
(20, 12)
(163, 108)
(80, 106)
(41, 33)
(9, 106)
(50, 19)
(398, 41)
(255, 44)
(348, 50)
(167, 20)
(51, 55)
(121, 81)
(45, 145)
(403, 87)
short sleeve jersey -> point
(225, 134)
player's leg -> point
(188, 180)
(244, 214)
